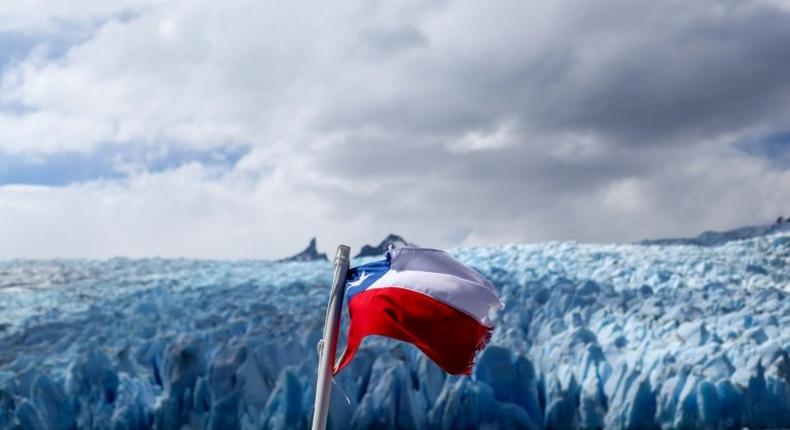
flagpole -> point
(328, 344)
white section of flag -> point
(470, 297)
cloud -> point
(448, 122)
(51, 16)
(107, 163)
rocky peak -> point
(309, 254)
(381, 248)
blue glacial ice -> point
(592, 336)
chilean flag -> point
(424, 297)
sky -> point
(242, 129)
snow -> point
(615, 336)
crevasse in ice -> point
(592, 336)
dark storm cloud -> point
(717, 70)
(656, 72)
(615, 120)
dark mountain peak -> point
(381, 248)
(309, 254)
(716, 238)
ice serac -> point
(285, 408)
(309, 254)
(383, 246)
(591, 336)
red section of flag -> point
(446, 335)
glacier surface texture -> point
(592, 336)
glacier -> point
(591, 336)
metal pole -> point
(327, 351)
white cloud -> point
(447, 122)
(47, 16)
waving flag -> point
(424, 297)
